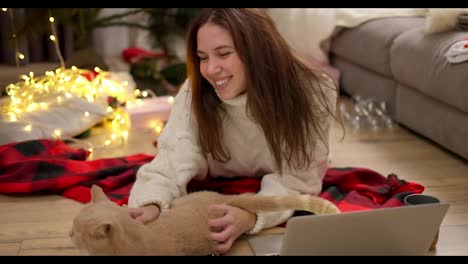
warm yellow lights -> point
(158, 128)
(54, 39)
(157, 125)
(57, 133)
(170, 100)
(34, 93)
(39, 93)
(12, 116)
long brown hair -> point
(284, 96)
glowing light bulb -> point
(158, 128)
(57, 133)
(170, 100)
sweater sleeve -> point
(178, 159)
(306, 180)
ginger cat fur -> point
(104, 228)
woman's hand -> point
(230, 223)
(145, 214)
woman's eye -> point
(224, 54)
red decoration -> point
(91, 75)
(133, 54)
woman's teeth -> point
(221, 82)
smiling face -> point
(220, 64)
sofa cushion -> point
(360, 81)
(433, 119)
(369, 44)
(419, 61)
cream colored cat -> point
(104, 228)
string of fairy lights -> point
(33, 93)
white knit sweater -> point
(179, 159)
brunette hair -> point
(284, 96)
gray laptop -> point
(404, 230)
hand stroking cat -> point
(104, 228)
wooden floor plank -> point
(9, 248)
(23, 229)
(49, 252)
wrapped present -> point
(150, 112)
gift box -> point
(149, 112)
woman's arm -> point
(178, 160)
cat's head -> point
(98, 226)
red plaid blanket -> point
(47, 166)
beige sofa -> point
(393, 60)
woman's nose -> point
(213, 67)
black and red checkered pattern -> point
(51, 166)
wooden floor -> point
(39, 225)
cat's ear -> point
(103, 230)
(97, 194)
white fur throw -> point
(442, 19)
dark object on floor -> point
(301, 213)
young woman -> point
(249, 108)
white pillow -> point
(68, 117)
(442, 19)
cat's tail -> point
(263, 203)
